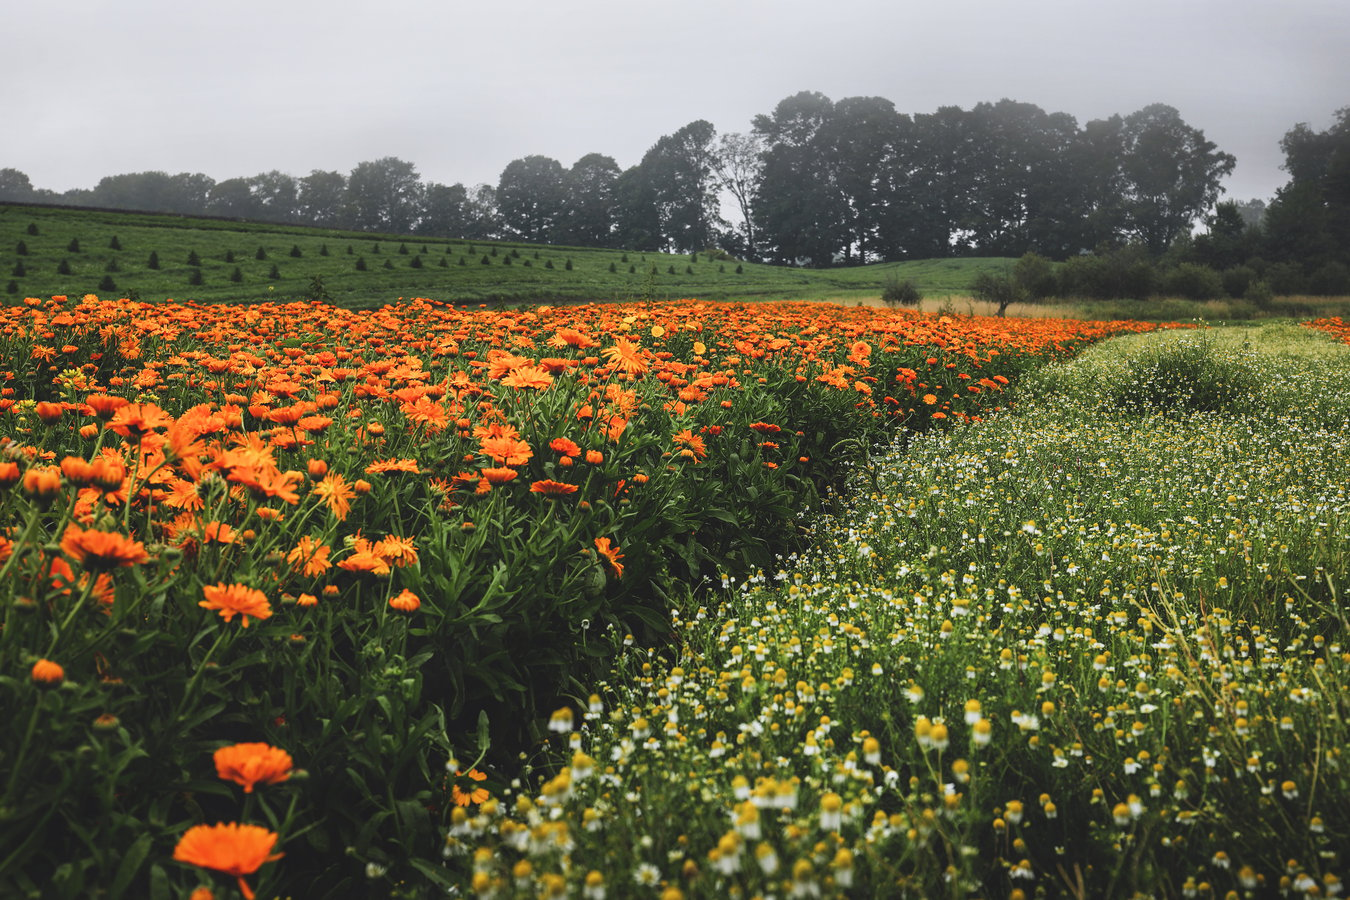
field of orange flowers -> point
(272, 566)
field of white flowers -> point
(1093, 646)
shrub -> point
(416, 262)
(895, 291)
(1193, 282)
(195, 278)
(236, 275)
(1185, 375)
(670, 271)
(1286, 278)
(506, 260)
(114, 244)
(568, 265)
(107, 284)
(1332, 280)
(153, 262)
(443, 263)
(229, 256)
(12, 287)
(375, 248)
(1237, 280)
(19, 270)
(548, 264)
(193, 259)
(613, 268)
(32, 228)
(274, 273)
(63, 267)
(486, 260)
(403, 249)
(295, 251)
(21, 249)
(112, 266)
(73, 246)
(1000, 288)
(739, 269)
(261, 254)
(323, 249)
(360, 264)
(1259, 293)
(389, 264)
(1036, 275)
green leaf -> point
(131, 864)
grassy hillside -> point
(46, 251)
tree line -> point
(815, 182)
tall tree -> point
(1170, 174)
(323, 199)
(637, 218)
(802, 210)
(531, 197)
(384, 195)
(739, 165)
(863, 140)
(15, 186)
(444, 210)
(481, 212)
(231, 197)
(1308, 222)
(276, 196)
(679, 171)
(589, 201)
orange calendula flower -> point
(135, 420)
(232, 600)
(47, 672)
(253, 764)
(231, 848)
(610, 551)
(625, 356)
(335, 493)
(405, 601)
(499, 475)
(101, 550)
(396, 550)
(474, 794)
(393, 465)
(564, 446)
(691, 443)
(309, 557)
(509, 451)
(551, 488)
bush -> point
(114, 244)
(1237, 280)
(153, 262)
(73, 246)
(112, 266)
(416, 262)
(1120, 274)
(237, 275)
(32, 228)
(360, 264)
(1332, 280)
(195, 278)
(895, 291)
(1260, 294)
(12, 287)
(1036, 276)
(568, 265)
(229, 256)
(1193, 282)
(107, 284)
(63, 267)
(21, 249)
(1286, 278)
(403, 249)
(261, 254)
(274, 273)
(193, 259)
(1185, 375)
(19, 270)
(295, 251)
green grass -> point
(391, 273)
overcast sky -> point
(90, 88)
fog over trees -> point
(822, 182)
